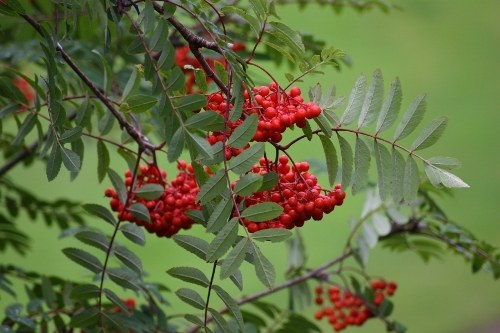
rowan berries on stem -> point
(297, 191)
(168, 212)
(348, 309)
(276, 109)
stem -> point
(113, 236)
(212, 277)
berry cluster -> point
(277, 110)
(348, 309)
(297, 191)
(167, 213)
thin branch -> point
(138, 137)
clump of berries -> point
(297, 191)
(168, 212)
(276, 109)
(348, 309)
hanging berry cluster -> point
(297, 191)
(168, 212)
(348, 309)
(277, 110)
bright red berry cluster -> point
(277, 110)
(297, 191)
(167, 213)
(348, 309)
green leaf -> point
(191, 297)
(194, 319)
(84, 259)
(443, 162)
(134, 233)
(54, 162)
(430, 134)
(176, 145)
(139, 211)
(93, 238)
(248, 184)
(235, 258)
(192, 102)
(103, 160)
(138, 103)
(244, 132)
(133, 83)
(124, 278)
(84, 291)
(391, 107)
(220, 321)
(100, 212)
(384, 169)
(288, 37)
(220, 71)
(128, 258)
(118, 184)
(86, 318)
(213, 187)
(201, 80)
(48, 293)
(208, 121)
(220, 215)
(263, 211)
(355, 103)
(411, 180)
(246, 160)
(107, 80)
(223, 241)
(411, 118)
(193, 244)
(398, 172)
(71, 135)
(231, 305)
(324, 124)
(273, 235)
(150, 191)
(332, 163)
(361, 165)
(263, 267)
(270, 180)
(110, 295)
(190, 275)
(28, 124)
(439, 177)
(347, 161)
(201, 145)
(373, 100)
(70, 160)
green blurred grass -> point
(450, 50)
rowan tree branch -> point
(138, 137)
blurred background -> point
(447, 49)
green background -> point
(447, 49)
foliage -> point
(163, 82)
